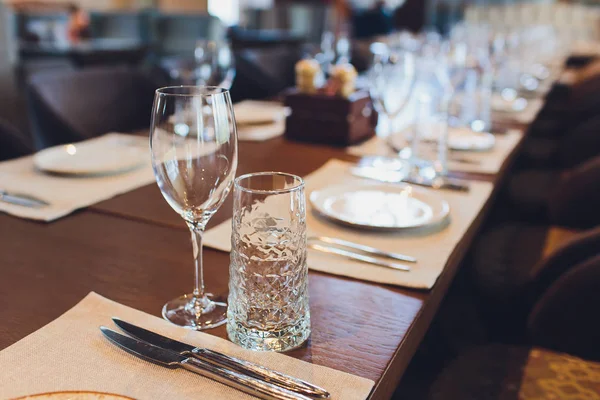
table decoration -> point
(66, 193)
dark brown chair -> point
(262, 73)
(75, 105)
(12, 143)
(577, 145)
(561, 360)
(556, 197)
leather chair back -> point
(75, 105)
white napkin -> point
(432, 248)
(70, 353)
(68, 193)
(259, 120)
(485, 162)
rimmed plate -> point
(74, 395)
(91, 158)
(251, 112)
(462, 139)
(459, 139)
(380, 206)
(502, 104)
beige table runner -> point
(68, 193)
(431, 247)
(70, 353)
(485, 162)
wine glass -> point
(215, 64)
(194, 164)
(391, 80)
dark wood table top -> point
(135, 250)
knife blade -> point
(388, 176)
(214, 357)
(172, 360)
(22, 200)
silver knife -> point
(170, 359)
(22, 200)
(359, 257)
(214, 357)
(389, 176)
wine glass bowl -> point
(193, 142)
(391, 80)
(215, 64)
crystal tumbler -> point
(268, 284)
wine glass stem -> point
(197, 233)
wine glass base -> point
(196, 313)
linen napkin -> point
(485, 162)
(432, 248)
(71, 353)
(259, 120)
(68, 193)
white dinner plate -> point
(92, 158)
(459, 139)
(74, 395)
(463, 139)
(501, 104)
(251, 112)
(380, 206)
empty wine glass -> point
(391, 80)
(215, 64)
(194, 165)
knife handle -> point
(247, 384)
(260, 372)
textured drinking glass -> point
(268, 275)
(194, 155)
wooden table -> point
(135, 250)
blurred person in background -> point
(79, 24)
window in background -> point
(227, 11)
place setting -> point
(58, 180)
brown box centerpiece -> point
(330, 119)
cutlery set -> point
(245, 376)
(353, 251)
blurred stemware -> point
(391, 81)
(215, 64)
(194, 164)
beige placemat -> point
(70, 353)
(485, 162)
(68, 193)
(432, 247)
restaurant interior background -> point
(502, 302)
